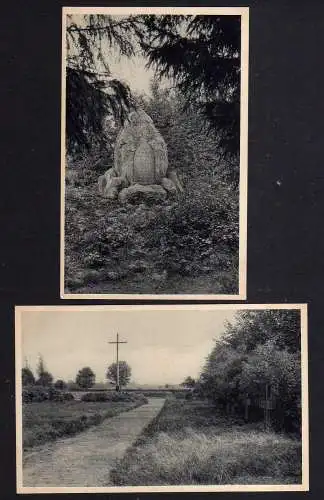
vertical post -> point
(246, 408)
(266, 409)
(117, 359)
(117, 378)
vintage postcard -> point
(154, 152)
(162, 398)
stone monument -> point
(141, 171)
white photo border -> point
(242, 278)
(303, 486)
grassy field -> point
(189, 442)
(49, 420)
(187, 245)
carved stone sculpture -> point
(140, 160)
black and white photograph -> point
(161, 398)
(154, 152)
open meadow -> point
(48, 420)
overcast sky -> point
(164, 346)
(132, 71)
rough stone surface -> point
(109, 185)
(137, 193)
(140, 151)
(140, 161)
(173, 176)
(169, 185)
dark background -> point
(285, 229)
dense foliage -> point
(92, 92)
(85, 378)
(92, 397)
(202, 55)
(189, 382)
(27, 376)
(60, 384)
(39, 394)
(125, 372)
(45, 378)
(260, 350)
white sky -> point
(132, 71)
(164, 346)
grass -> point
(49, 420)
(188, 245)
(189, 442)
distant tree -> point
(45, 378)
(40, 366)
(189, 382)
(85, 378)
(27, 376)
(60, 384)
(72, 385)
(124, 373)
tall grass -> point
(174, 452)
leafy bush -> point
(158, 394)
(38, 394)
(27, 377)
(60, 385)
(259, 350)
(34, 394)
(114, 396)
(194, 236)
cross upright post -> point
(117, 342)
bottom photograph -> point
(161, 398)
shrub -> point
(92, 397)
(39, 394)
(60, 384)
(158, 394)
(34, 394)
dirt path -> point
(86, 459)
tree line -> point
(255, 367)
(85, 378)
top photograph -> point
(154, 131)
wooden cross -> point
(117, 342)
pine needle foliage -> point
(202, 55)
(92, 93)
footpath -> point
(86, 459)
